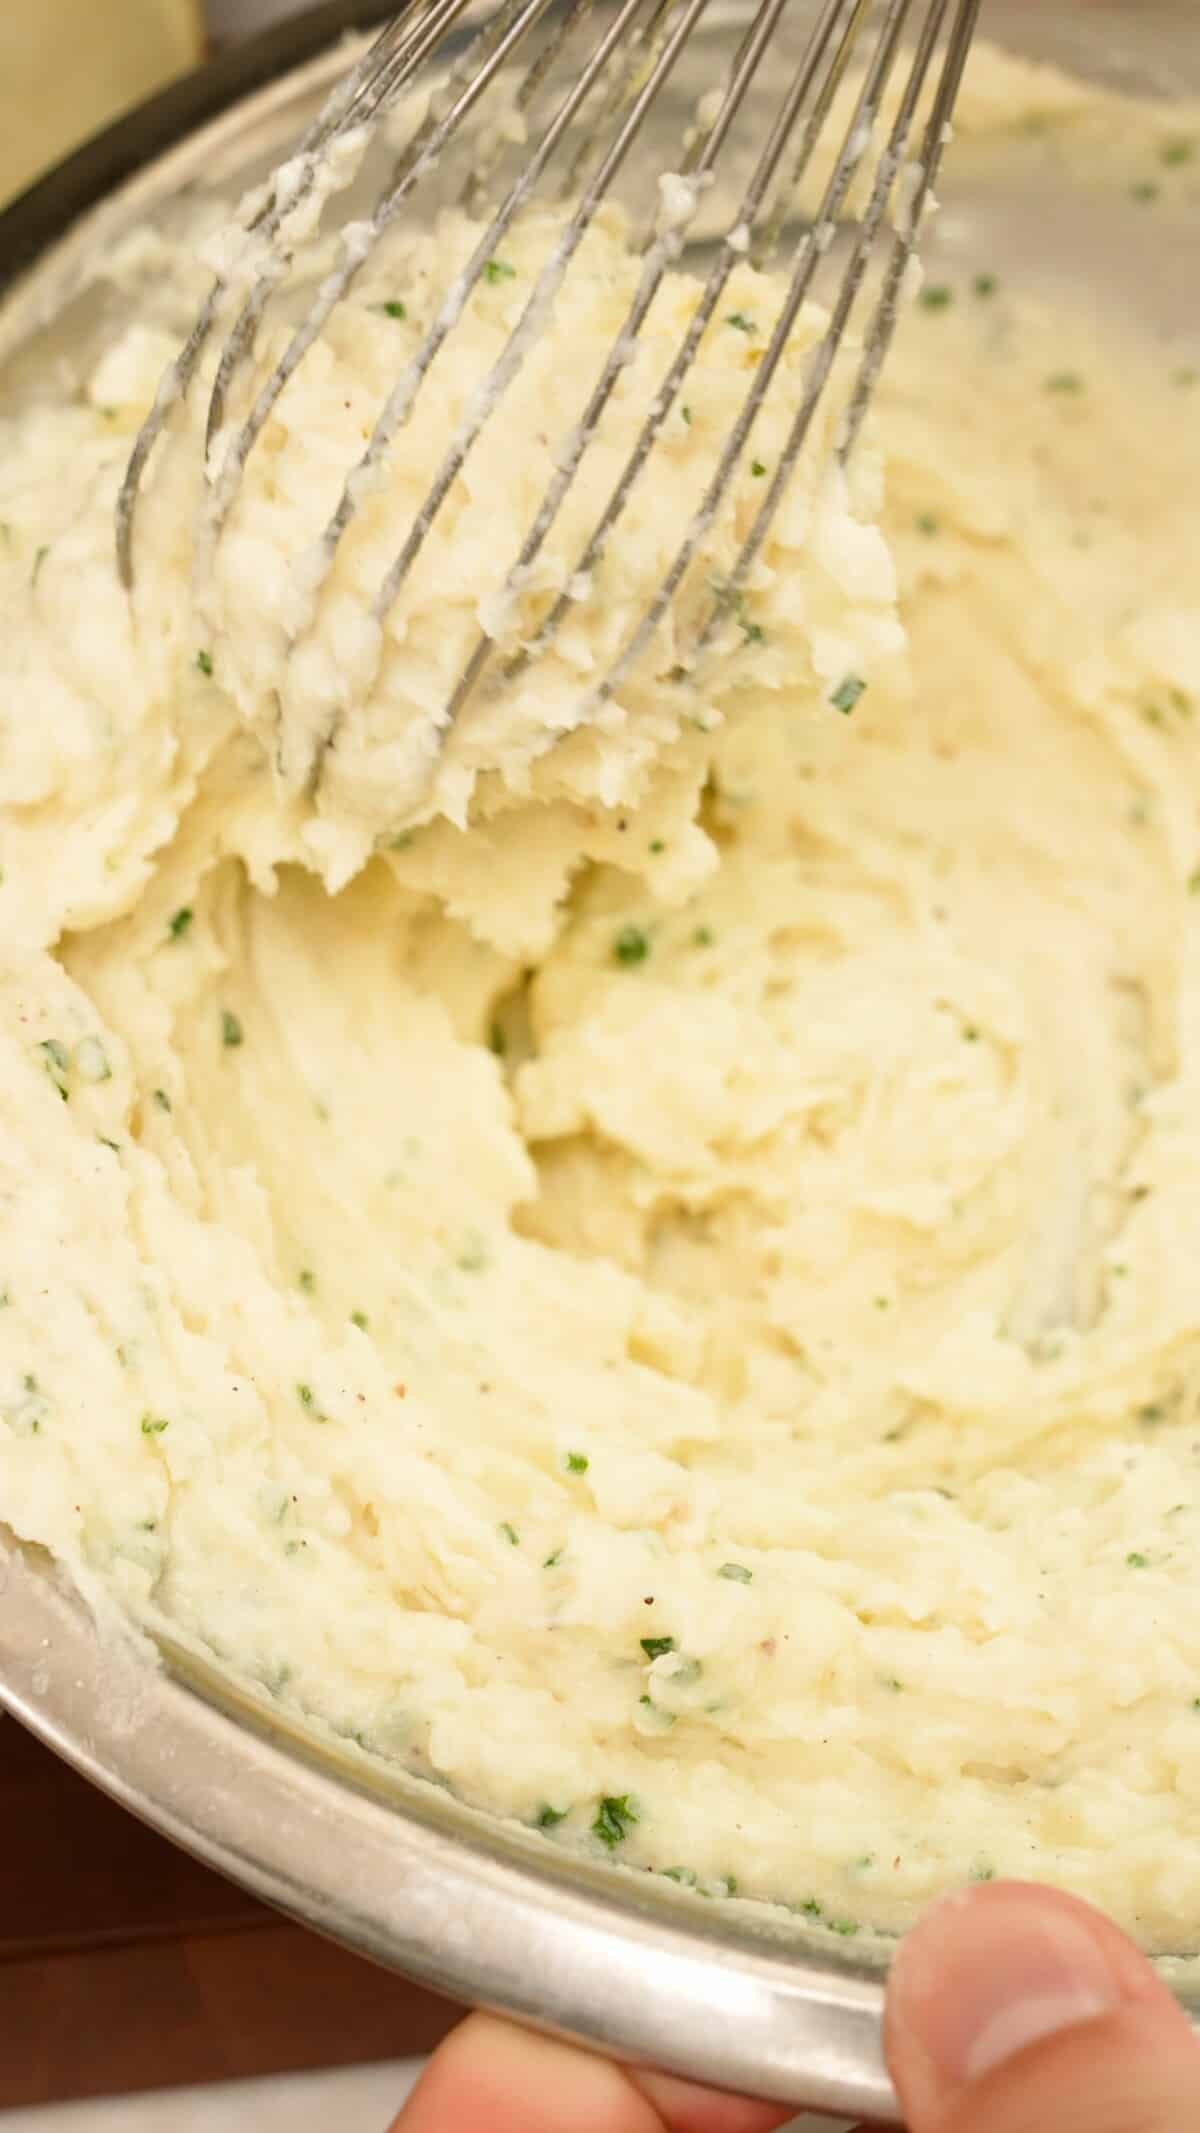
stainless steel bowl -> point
(735, 1995)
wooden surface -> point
(124, 1965)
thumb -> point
(1013, 2008)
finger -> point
(492, 2077)
(1014, 2008)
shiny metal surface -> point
(734, 1994)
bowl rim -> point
(473, 1908)
(611, 1958)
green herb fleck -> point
(615, 1817)
(847, 694)
(686, 412)
(394, 309)
(550, 1817)
(1176, 152)
(983, 1873)
(1194, 883)
(810, 1908)
(360, 1319)
(180, 923)
(57, 1061)
(552, 1561)
(510, 1534)
(498, 270)
(232, 1033)
(632, 945)
(737, 1573)
(308, 1281)
(937, 297)
(577, 1462)
(740, 323)
(38, 561)
(1067, 382)
(703, 937)
(497, 1041)
(658, 844)
(757, 469)
(847, 1927)
(162, 1099)
(1137, 1561)
(682, 1874)
(307, 1398)
(926, 523)
(984, 285)
(654, 1647)
(204, 660)
(153, 1425)
(1144, 191)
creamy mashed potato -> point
(665, 1297)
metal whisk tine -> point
(807, 261)
(264, 223)
(491, 389)
(395, 68)
(337, 286)
(821, 69)
(887, 175)
(473, 196)
(746, 63)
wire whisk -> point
(845, 143)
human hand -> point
(1010, 2009)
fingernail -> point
(981, 1981)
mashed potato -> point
(656, 1283)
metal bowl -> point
(735, 1995)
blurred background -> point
(69, 66)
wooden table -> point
(124, 1965)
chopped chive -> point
(550, 1817)
(847, 1927)
(162, 1099)
(180, 923)
(1144, 191)
(57, 1061)
(552, 1561)
(847, 694)
(307, 1398)
(497, 1041)
(498, 270)
(394, 309)
(682, 1874)
(1137, 1561)
(510, 1534)
(654, 1647)
(937, 297)
(615, 1817)
(232, 1033)
(757, 469)
(632, 945)
(740, 323)
(925, 522)
(153, 1425)
(204, 660)
(737, 1573)
(703, 937)
(1176, 152)
(1067, 382)
(686, 413)
(38, 561)
(984, 285)
(577, 1463)
(360, 1319)
(308, 1281)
